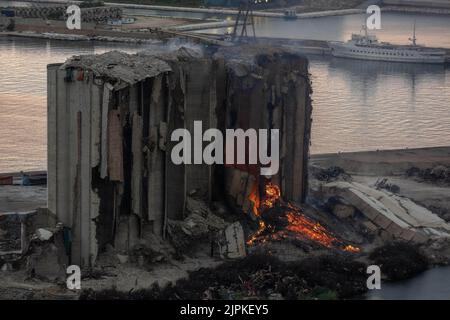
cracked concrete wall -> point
(110, 176)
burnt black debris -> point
(399, 260)
(258, 276)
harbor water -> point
(358, 105)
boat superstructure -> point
(367, 47)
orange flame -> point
(305, 227)
(254, 199)
(302, 226)
(351, 248)
(272, 195)
(255, 236)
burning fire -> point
(298, 224)
(254, 199)
(351, 248)
(312, 230)
(272, 195)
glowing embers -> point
(279, 220)
(351, 248)
(306, 228)
(272, 195)
(255, 199)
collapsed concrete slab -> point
(111, 179)
(398, 216)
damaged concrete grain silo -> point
(111, 179)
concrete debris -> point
(384, 184)
(233, 245)
(43, 263)
(6, 267)
(398, 216)
(343, 211)
(118, 66)
(438, 173)
(48, 259)
(15, 233)
(258, 276)
(184, 234)
(329, 174)
(122, 258)
(143, 256)
(43, 234)
(198, 207)
(202, 224)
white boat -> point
(290, 14)
(367, 47)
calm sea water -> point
(433, 284)
(23, 96)
(358, 105)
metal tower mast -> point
(245, 16)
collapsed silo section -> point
(268, 88)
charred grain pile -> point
(111, 178)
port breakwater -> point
(222, 11)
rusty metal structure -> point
(244, 18)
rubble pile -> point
(382, 211)
(259, 276)
(385, 184)
(15, 232)
(409, 236)
(328, 174)
(437, 174)
(400, 260)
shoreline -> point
(397, 159)
(273, 13)
(384, 162)
(158, 36)
(77, 37)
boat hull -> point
(403, 55)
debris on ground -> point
(43, 234)
(329, 174)
(15, 233)
(399, 260)
(384, 184)
(259, 276)
(200, 225)
(232, 242)
(398, 216)
(437, 174)
(142, 256)
(341, 208)
(47, 257)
